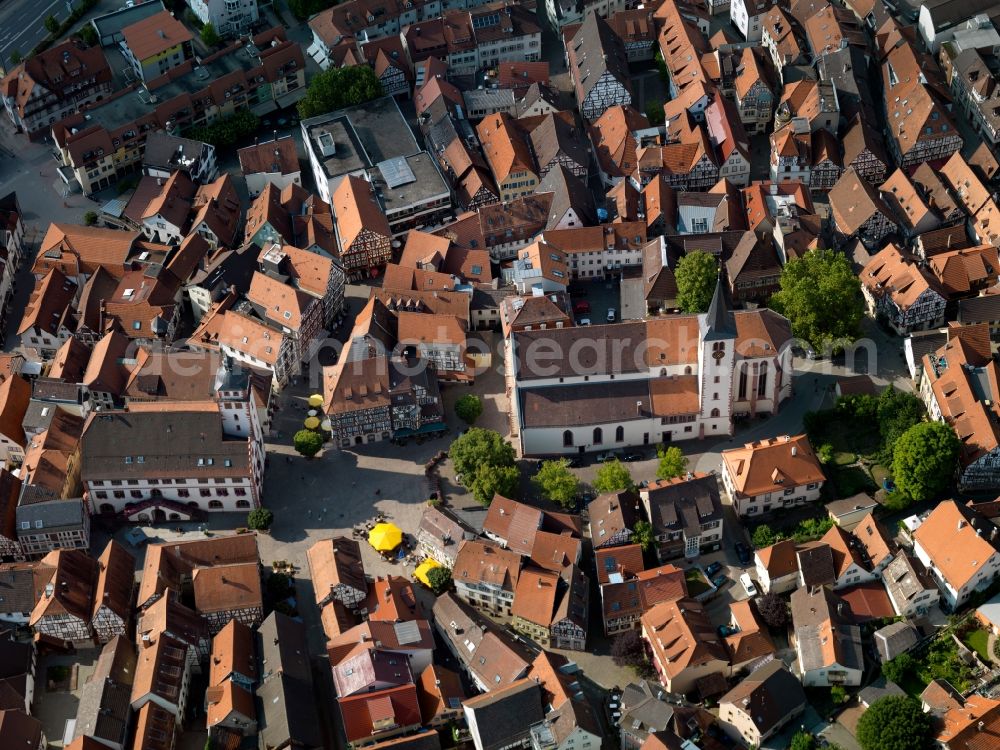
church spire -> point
(719, 322)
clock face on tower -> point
(718, 354)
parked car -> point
(581, 307)
(583, 322)
(720, 581)
(612, 315)
(748, 584)
(743, 553)
(713, 568)
(633, 457)
(608, 456)
(727, 630)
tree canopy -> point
(899, 668)
(337, 88)
(479, 447)
(209, 35)
(260, 519)
(895, 722)
(557, 483)
(821, 296)
(923, 460)
(673, 462)
(897, 411)
(227, 132)
(307, 442)
(491, 479)
(773, 610)
(804, 741)
(696, 275)
(642, 534)
(440, 579)
(469, 408)
(613, 476)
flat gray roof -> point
(427, 183)
(371, 132)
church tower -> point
(716, 365)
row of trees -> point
(820, 294)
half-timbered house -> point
(364, 238)
(598, 65)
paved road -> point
(22, 24)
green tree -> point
(227, 132)
(763, 536)
(696, 275)
(838, 695)
(260, 519)
(661, 67)
(88, 35)
(642, 534)
(492, 479)
(52, 24)
(479, 447)
(90, 218)
(673, 462)
(821, 296)
(825, 453)
(655, 113)
(557, 483)
(899, 668)
(469, 408)
(897, 411)
(773, 610)
(803, 741)
(16, 57)
(209, 35)
(923, 460)
(303, 9)
(337, 88)
(613, 476)
(895, 722)
(307, 442)
(440, 579)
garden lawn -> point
(978, 640)
(879, 473)
(696, 583)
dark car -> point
(712, 569)
(633, 457)
(727, 630)
(720, 581)
(743, 553)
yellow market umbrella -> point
(315, 400)
(312, 423)
(385, 537)
(423, 569)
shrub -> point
(260, 519)
(307, 442)
(469, 408)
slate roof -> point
(104, 711)
(504, 716)
(767, 695)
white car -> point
(612, 314)
(583, 322)
(747, 582)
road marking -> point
(25, 30)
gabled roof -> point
(115, 581)
(772, 464)
(682, 637)
(950, 536)
(335, 562)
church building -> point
(669, 378)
